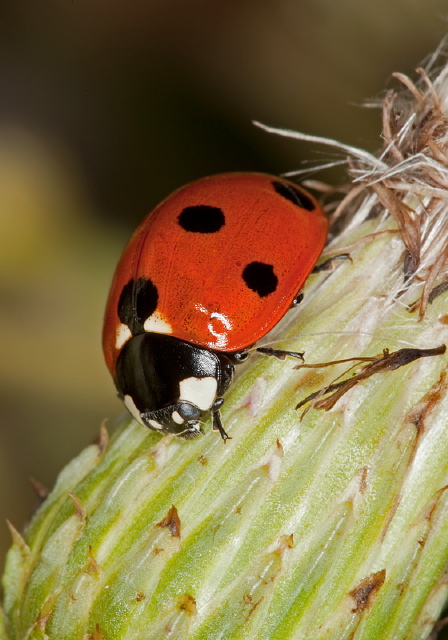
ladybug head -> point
(182, 419)
(170, 385)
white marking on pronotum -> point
(156, 323)
(122, 336)
(177, 418)
(199, 391)
(130, 406)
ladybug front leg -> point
(216, 419)
(280, 353)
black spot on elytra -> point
(138, 300)
(202, 219)
(294, 195)
(260, 277)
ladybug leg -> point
(280, 354)
(297, 300)
(328, 265)
(216, 419)
(237, 357)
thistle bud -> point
(326, 514)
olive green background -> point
(105, 107)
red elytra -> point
(206, 293)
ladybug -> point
(207, 274)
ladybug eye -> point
(188, 411)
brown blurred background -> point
(105, 107)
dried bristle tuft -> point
(408, 178)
